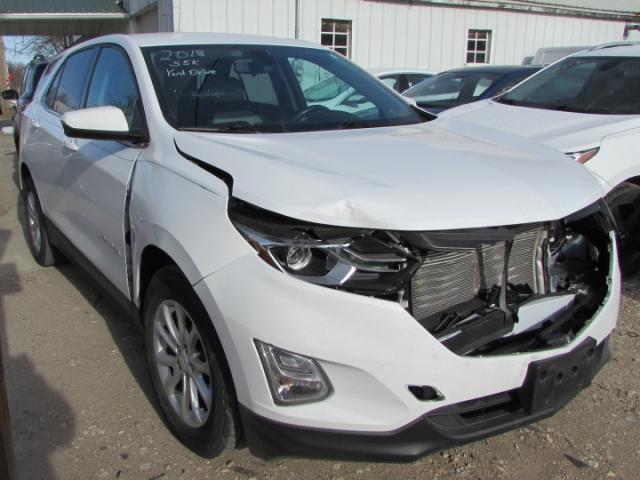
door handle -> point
(70, 144)
(35, 123)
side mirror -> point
(99, 123)
(10, 94)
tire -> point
(36, 230)
(624, 202)
(174, 355)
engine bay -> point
(472, 284)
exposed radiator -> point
(449, 278)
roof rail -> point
(613, 45)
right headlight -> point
(363, 261)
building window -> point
(336, 34)
(478, 46)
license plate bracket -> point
(554, 381)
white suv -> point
(326, 283)
(587, 106)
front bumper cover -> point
(453, 425)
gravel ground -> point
(81, 402)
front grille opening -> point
(482, 411)
(500, 408)
(471, 284)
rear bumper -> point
(453, 425)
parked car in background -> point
(32, 75)
(332, 93)
(401, 79)
(587, 106)
(467, 84)
(370, 284)
(548, 55)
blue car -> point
(468, 84)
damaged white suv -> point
(363, 284)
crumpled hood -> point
(438, 175)
(564, 131)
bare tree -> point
(47, 46)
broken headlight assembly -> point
(363, 261)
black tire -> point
(16, 139)
(221, 431)
(624, 202)
(36, 229)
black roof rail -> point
(613, 45)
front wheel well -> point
(151, 260)
(24, 174)
(634, 180)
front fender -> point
(618, 159)
(186, 218)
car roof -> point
(500, 69)
(177, 39)
(616, 49)
(390, 71)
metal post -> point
(297, 19)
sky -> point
(10, 56)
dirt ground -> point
(81, 405)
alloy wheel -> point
(33, 222)
(182, 364)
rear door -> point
(45, 152)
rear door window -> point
(26, 80)
(71, 87)
(38, 71)
(415, 78)
(391, 81)
(50, 96)
(450, 89)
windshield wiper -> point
(353, 124)
(231, 128)
(507, 101)
(542, 106)
(235, 128)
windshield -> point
(270, 89)
(451, 89)
(605, 85)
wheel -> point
(188, 368)
(37, 237)
(624, 202)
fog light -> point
(292, 378)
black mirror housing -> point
(10, 94)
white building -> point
(435, 34)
